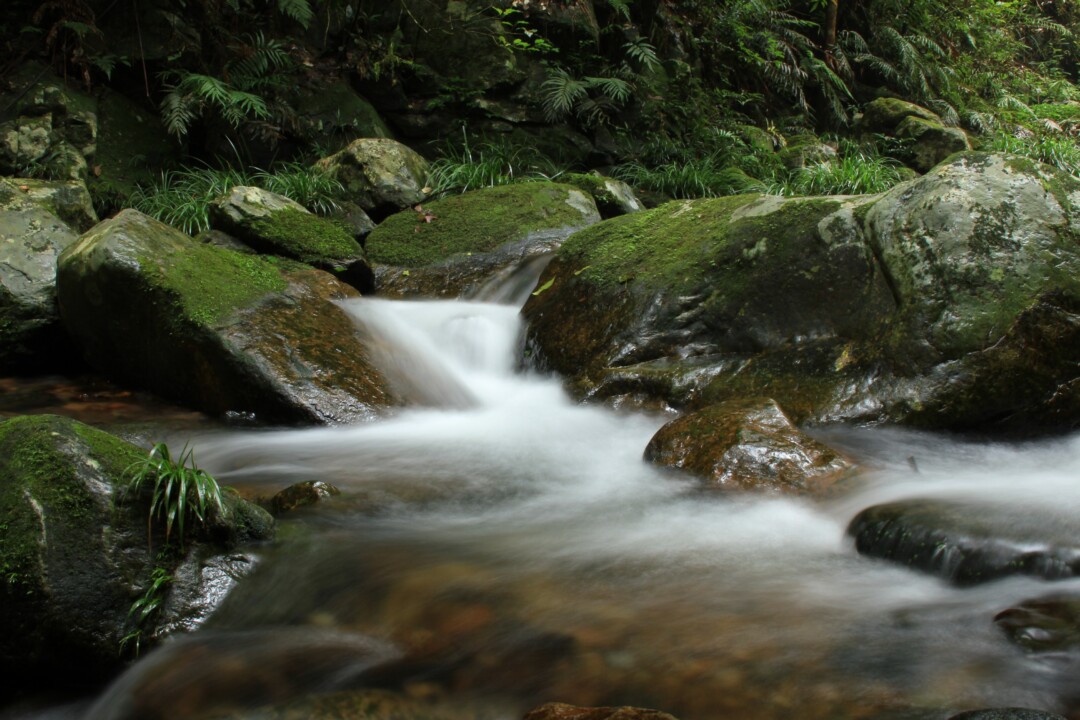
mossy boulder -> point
(31, 239)
(969, 543)
(74, 548)
(885, 114)
(983, 259)
(68, 200)
(805, 150)
(931, 142)
(672, 294)
(747, 445)
(276, 225)
(380, 175)
(613, 197)
(950, 301)
(216, 329)
(450, 247)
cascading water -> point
(514, 549)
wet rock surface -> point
(967, 544)
(215, 329)
(747, 445)
(562, 711)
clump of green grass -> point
(182, 197)
(854, 173)
(179, 489)
(709, 176)
(1059, 150)
(471, 166)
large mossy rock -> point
(276, 225)
(31, 239)
(216, 329)
(747, 445)
(450, 247)
(950, 301)
(983, 258)
(968, 544)
(932, 142)
(68, 200)
(886, 113)
(380, 175)
(662, 300)
(75, 554)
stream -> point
(498, 546)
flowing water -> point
(498, 546)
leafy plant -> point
(591, 99)
(179, 490)
(1059, 150)
(855, 173)
(487, 164)
(182, 197)
(145, 607)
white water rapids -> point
(516, 542)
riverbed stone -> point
(379, 174)
(275, 225)
(950, 301)
(1009, 713)
(968, 543)
(1046, 624)
(563, 711)
(216, 329)
(886, 113)
(451, 247)
(613, 197)
(747, 445)
(301, 494)
(931, 142)
(31, 239)
(75, 550)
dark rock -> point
(613, 197)
(451, 247)
(68, 587)
(1049, 624)
(562, 711)
(31, 240)
(747, 445)
(69, 201)
(275, 225)
(215, 329)
(1006, 714)
(886, 113)
(965, 543)
(301, 494)
(931, 142)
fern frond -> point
(298, 10)
(615, 88)
(560, 91)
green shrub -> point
(179, 489)
(461, 168)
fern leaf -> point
(298, 10)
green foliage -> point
(709, 176)
(298, 10)
(518, 34)
(1058, 150)
(593, 100)
(145, 607)
(474, 165)
(854, 173)
(182, 198)
(258, 67)
(179, 489)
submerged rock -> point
(967, 544)
(301, 494)
(746, 445)
(216, 329)
(276, 225)
(75, 550)
(1012, 713)
(451, 247)
(1049, 624)
(562, 711)
(951, 301)
(31, 239)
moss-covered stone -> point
(613, 197)
(479, 221)
(378, 174)
(307, 238)
(213, 328)
(931, 142)
(746, 444)
(884, 114)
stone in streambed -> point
(968, 543)
(275, 225)
(747, 445)
(563, 711)
(1048, 624)
(451, 247)
(75, 553)
(216, 329)
(301, 494)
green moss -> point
(212, 282)
(38, 473)
(678, 245)
(477, 221)
(306, 237)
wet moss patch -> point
(305, 237)
(478, 221)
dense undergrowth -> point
(700, 98)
